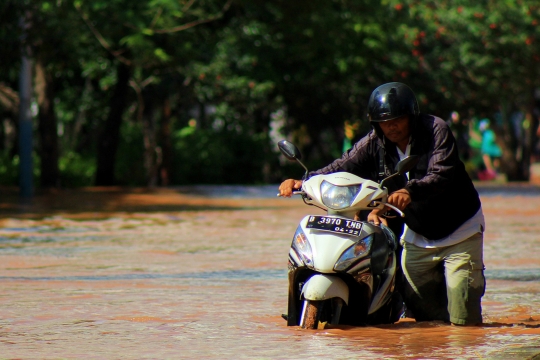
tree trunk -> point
(74, 132)
(25, 138)
(47, 125)
(165, 169)
(516, 141)
(508, 143)
(262, 126)
(152, 156)
(529, 133)
(110, 133)
(9, 112)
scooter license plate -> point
(334, 224)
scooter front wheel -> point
(310, 314)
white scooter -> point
(341, 270)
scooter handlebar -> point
(300, 192)
(392, 207)
(396, 210)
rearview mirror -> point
(290, 150)
(405, 165)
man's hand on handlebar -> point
(400, 199)
(288, 186)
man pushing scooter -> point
(442, 232)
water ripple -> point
(249, 274)
(514, 274)
(252, 274)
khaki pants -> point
(445, 283)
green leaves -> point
(231, 65)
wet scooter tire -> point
(310, 320)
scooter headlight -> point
(300, 244)
(338, 197)
(356, 251)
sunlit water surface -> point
(201, 273)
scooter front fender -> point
(322, 287)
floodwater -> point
(200, 273)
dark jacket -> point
(442, 193)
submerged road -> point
(200, 273)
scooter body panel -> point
(385, 291)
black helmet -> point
(390, 101)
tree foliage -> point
(161, 92)
(483, 61)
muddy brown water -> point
(200, 273)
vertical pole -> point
(26, 186)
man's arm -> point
(356, 161)
(441, 165)
(400, 199)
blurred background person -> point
(460, 131)
(491, 152)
